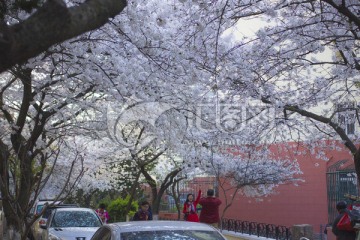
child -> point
(144, 213)
(102, 213)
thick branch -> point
(150, 180)
(348, 143)
(16, 137)
(52, 23)
(345, 11)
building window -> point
(346, 117)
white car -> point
(71, 224)
(36, 230)
(159, 230)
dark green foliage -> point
(92, 199)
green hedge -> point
(117, 207)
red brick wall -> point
(302, 204)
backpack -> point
(350, 218)
(345, 223)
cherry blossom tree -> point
(175, 55)
(303, 62)
(40, 103)
(151, 157)
(43, 103)
(177, 147)
(58, 97)
(253, 171)
(36, 121)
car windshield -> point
(175, 234)
(64, 219)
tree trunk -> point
(13, 220)
(87, 199)
(176, 196)
(156, 204)
(13, 234)
(132, 194)
(357, 165)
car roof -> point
(42, 203)
(73, 208)
(49, 209)
(62, 205)
(160, 225)
(47, 201)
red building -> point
(306, 203)
(311, 201)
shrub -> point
(117, 209)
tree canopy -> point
(185, 73)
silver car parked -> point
(71, 224)
(159, 230)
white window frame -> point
(346, 115)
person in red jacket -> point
(189, 209)
(210, 209)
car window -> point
(102, 234)
(49, 210)
(75, 219)
(39, 208)
(176, 234)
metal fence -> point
(340, 183)
(256, 229)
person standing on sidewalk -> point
(144, 213)
(210, 209)
(189, 209)
(342, 234)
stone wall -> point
(302, 231)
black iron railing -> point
(256, 229)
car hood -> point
(74, 233)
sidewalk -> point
(239, 236)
